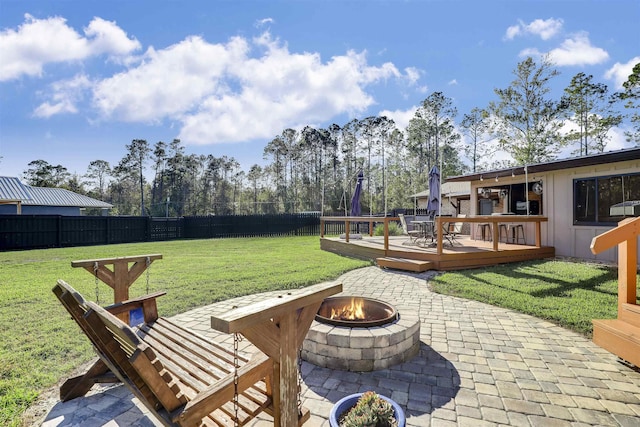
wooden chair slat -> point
(178, 333)
(210, 346)
(186, 353)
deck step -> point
(417, 266)
(630, 313)
(618, 337)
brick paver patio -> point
(478, 365)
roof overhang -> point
(16, 202)
(576, 162)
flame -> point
(352, 311)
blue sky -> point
(80, 79)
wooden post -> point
(277, 326)
(625, 236)
(386, 235)
(439, 243)
(288, 370)
(495, 231)
(346, 230)
(121, 277)
(627, 276)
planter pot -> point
(348, 402)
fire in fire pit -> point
(355, 312)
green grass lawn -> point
(569, 294)
(40, 343)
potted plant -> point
(367, 409)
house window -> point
(606, 199)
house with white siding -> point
(582, 197)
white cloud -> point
(512, 32)
(412, 75)
(168, 82)
(37, 42)
(265, 21)
(530, 51)
(453, 82)
(222, 94)
(620, 73)
(64, 96)
(214, 92)
(107, 37)
(578, 51)
(618, 139)
(544, 28)
(400, 117)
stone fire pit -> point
(384, 338)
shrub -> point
(394, 229)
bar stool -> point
(505, 228)
(518, 233)
(485, 230)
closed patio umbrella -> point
(355, 200)
(433, 204)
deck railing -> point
(625, 236)
(621, 336)
(494, 220)
(371, 220)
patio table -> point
(426, 230)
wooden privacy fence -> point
(21, 232)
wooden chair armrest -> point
(146, 302)
(223, 391)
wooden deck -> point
(397, 252)
(465, 253)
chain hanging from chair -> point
(95, 274)
(299, 396)
(148, 272)
(236, 341)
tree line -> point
(315, 169)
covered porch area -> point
(398, 252)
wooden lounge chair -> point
(183, 378)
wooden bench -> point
(183, 378)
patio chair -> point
(452, 231)
(414, 235)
